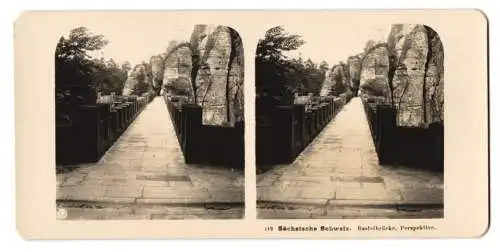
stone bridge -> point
(339, 176)
(144, 176)
(363, 164)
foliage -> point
(340, 85)
(142, 83)
(281, 77)
(140, 80)
(78, 76)
(276, 41)
(74, 66)
(323, 66)
(126, 66)
(375, 87)
(109, 76)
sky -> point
(137, 43)
(335, 44)
(331, 43)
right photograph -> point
(350, 125)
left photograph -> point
(149, 126)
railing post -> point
(178, 114)
(192, 114)
(308, 129)
(327, 109)
(386, 133)
(330, 108)
(136, 106)
(89, 134)
(325, 112)
(314, 123)
(119, 109)
(114, 124)
(317, 123)
(103, 130)
(436, 133)
(285, 134)
(126, 110)
(298, 118)
(320, 117)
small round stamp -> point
(61, 213)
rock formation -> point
(199, 39)
(408, 72)
(417, 79)
(212, 64)
(138, 81)
(409, 46)
(374, 72)
(336, 81)
(434, 81)
(212, 94)
(177, 73)
(327, 84)
(354, 68)
(157, 70)
(236, 79)
(346, 78)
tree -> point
(126, 67)
(75, 78)
(273, 70)
(73, 65)
(309, 65)
(323, 66)
(312, 77)
(143, 79)
(275, 42)
(142, 86)
(110, 77)
(79, 76)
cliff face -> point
(336, 81)
(199, 39)
(354, 68)
(211, 94)
(408, 72)
(213, 58)
(417, 81)
(410, 48)
(328, 83)
(374, 79)
(434, 81)
(236, 80)
(177, 72)
(157, 67)
(138, 81)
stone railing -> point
(205, 144)
(283, 132)
(408, 146)
(96, 129)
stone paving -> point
(145, 167)
(338, 176)
(99, 211)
